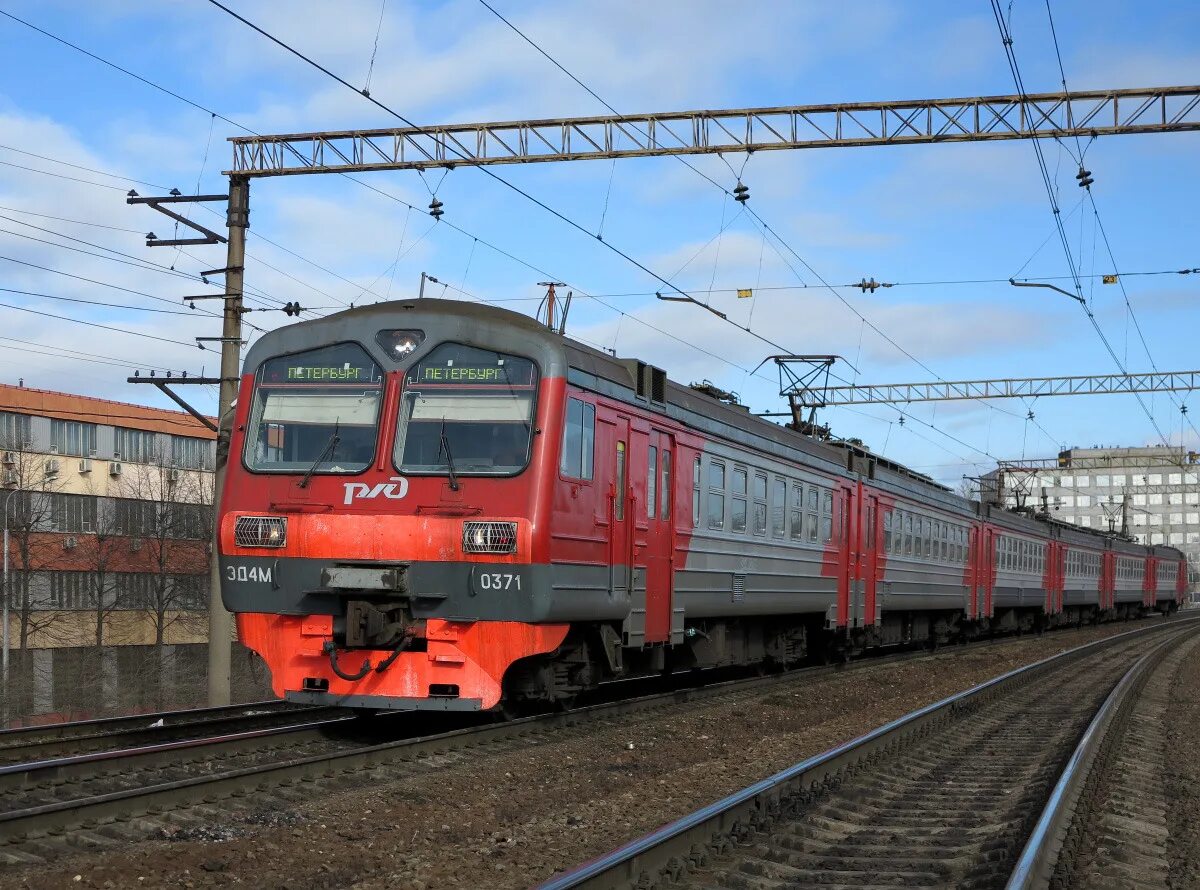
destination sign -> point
(309, 372)
(516, 374)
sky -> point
(947, 224)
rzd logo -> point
(394, 490)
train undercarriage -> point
(592, 654)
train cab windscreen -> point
(316, 411)
(466, 411)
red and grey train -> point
(440, 505)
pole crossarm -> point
(1041, 115)
(1007, 388)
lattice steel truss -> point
(1083, 113)
(1007, 388)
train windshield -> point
(316, 410)
(466, 411)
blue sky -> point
(898, 214)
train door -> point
(660, 535)
(843, 547)
(985, 577)
(620, 505)
(868, 555)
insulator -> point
(174, 193)
(435, 208)
(741, 193)
(1084, 177)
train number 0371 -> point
(499, 581)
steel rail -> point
(14, 777)
(652, 852)
(1035, 866)
(55, 819)
(74, 728)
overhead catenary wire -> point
(1048, 183)
(763, 224)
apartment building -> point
(1150, 493)
(108, 508)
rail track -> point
(107, 797)
(977, 790)
(28, 743)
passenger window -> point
(908, 534)
(779, 509)
(737, 518)
(620, 496)
(826, 529)
(812, 498)
(760, 504)
(664, 490)
(579, 438)
(797, 517)
(696, 494)
(716, 495)
(651, 478)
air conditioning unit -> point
(70, 542)
(85, 465)
(116, 455)
(135, 543)
(52, 466)
(114, 468)
(54, 449)
(176, 475)
(10, 458)
(12, 477)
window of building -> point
(1067, 501)
(73, 437)
(72, 513)
(1118, 479)
(14, 431)
(1191, 497)
(1083, 500)
(1083, 481)
(1156, 499)
(1085, 521)
(1156, 538)
(136, 446)
(1176, 537)
(579, 439)
(779, 508)
(1139, 518)
(760, 503)
(619, 506)
(1175, 479)
(191, 453)
(716, 495)
(72, 590)
(1192, 518)
(1102, 481)
(1139, 500)
(1175, 498)
(1154, 479)
(1066, 482)
(1176, 519)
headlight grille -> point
(260, 531)
(489, 537)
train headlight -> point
(401, 343)
(260, 531)
(489, 537)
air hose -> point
(331, 649)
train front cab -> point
(379, 532)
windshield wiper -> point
(444, 445)
(326, 454)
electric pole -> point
(220, 622)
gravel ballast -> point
(512, 817)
